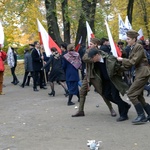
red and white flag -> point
(119, 52)
(46, 40)
(89, 33)
(141, 36)
(78, 45)
(1, 35)
(111, 41)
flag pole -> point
(44, 71)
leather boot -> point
(147, 110)
(52, 93)
(69, 100)
(79, 114)
(140, 119)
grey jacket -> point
(28, 62)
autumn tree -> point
(130, 10)
(144, 5)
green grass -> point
(19, 69)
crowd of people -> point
(110, 76)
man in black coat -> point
(37, 62)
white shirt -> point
(101, 60)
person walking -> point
(27, 65)
(37, 63)
(3, 56)
(12, 62)
(31, 47)
(137, 58)
(71, 64)
(56, 73)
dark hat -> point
(120, 43)
(132, 34)
(93, 52)
(95, 41)
(71, 47)
(31, 45)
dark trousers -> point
(37, 75)
(112, 94)
(25, 76)
(13, 74)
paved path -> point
(34, 121)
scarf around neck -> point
(73, 58)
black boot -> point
(52, 88)
(52, 93)
(147, 110)
(16, 82)
(140, 119)
(69, 100)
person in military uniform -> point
(91, 79)
(137, 58)
(108, 68)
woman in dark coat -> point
(56, 72)
(71, 64)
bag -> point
(2, 58)
(2, 68)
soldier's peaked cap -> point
(132, 34)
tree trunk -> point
(92, 14)
(145, 16)
(66, 23)
(51, 17)
(87, 14)
(130, 10)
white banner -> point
(10, 58)
(122, 29)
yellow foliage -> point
(19, 22)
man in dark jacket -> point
(37, 62)
(91, 78)
(106, 65)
